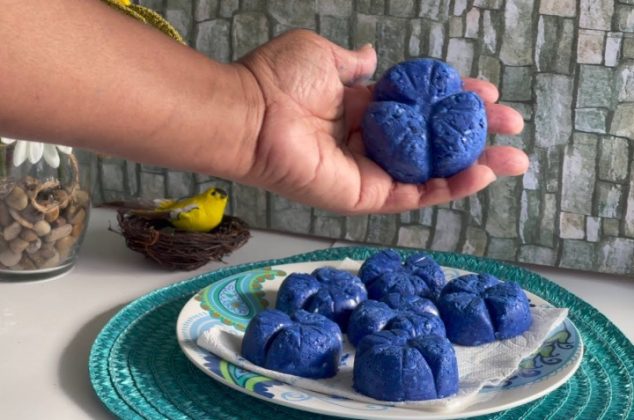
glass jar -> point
(44, 209)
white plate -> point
(234, 300)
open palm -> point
(310, 149)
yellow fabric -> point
(147, 16)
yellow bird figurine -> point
(199, 213)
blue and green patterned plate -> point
(235, 299)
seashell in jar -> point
(81, 198)
(31, 214)
(12, 231)
(28, 235)
(59, 233)
(78, 229)
(21, 220)
(78, 217)
(64, 246)
(42, 228)
(34, 246)
(60, 221)
(61, 197)
(8, 258)
(17, 199)
(5, 217)
(52, 215)
(25, 264)
(53, 261)
(18, 245)
(46, 258)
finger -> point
(355, 66)
(381, 194)
(355, 144)
(504, 160)
(504, 120)
(466, 183)
(405, 197)
(486, 90)
(384, 197)
(376, 187)
(355, 101)
(494, 162)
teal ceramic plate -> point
(235, 299)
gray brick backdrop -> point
(567, 65)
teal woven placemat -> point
(138, 370)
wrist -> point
(252, 117)
(229, 112)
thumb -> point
(355, 66)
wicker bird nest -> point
(177, 249)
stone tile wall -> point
(567, 65)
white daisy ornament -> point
(34, 151)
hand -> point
(309, 147)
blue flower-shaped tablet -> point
(479, 309)
(385, 273)
(421, 124)
(380, 263)
(418, 82)
(413, 314)
(392, 366)
(327, 291)
(302, 344)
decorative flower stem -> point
(3, 161)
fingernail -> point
(362, 80)
(365, 46)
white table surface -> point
(48, 327)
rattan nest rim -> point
(177, 249)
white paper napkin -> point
(479, 366)
(488, 364)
